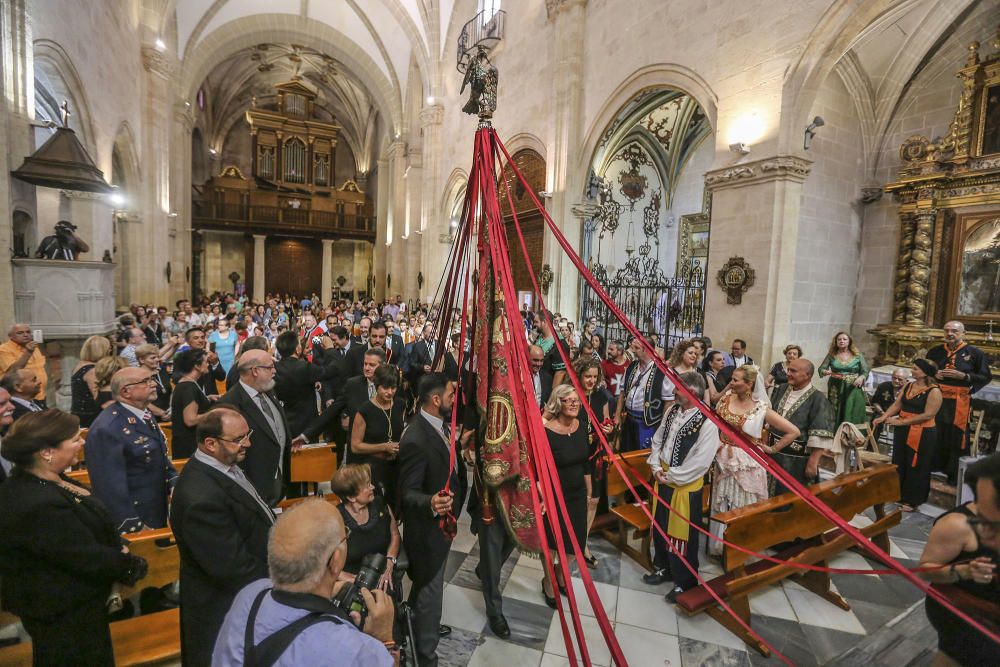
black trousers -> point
(426, 599)
(495, 546)
(81, 637)
(949, 443)
(664, 557)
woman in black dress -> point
(371, 526)
(83, 382)
(716, 380)
(188, 402)
(378, 424)
(567, 436)
(148, 357)
(779, 372)
(591, 379)
(963, 554)
(60, 552)
(915, 435)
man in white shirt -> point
(738, 354)
(646, 394)
(682, 451)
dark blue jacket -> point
(130, 471)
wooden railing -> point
(227, 216)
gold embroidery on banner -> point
(521, 516)
(495, 471)
(499, 424)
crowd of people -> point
(242, 385)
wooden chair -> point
(314, 464)
(977, 418)
(758, 527)
(220, 387)
(630, 516)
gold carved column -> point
(920, 267)
(906, 230)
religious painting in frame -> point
(692, 243)
(988, 122)
(976, 270)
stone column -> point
(180, 198)
(902, 278)
(920, 267)
(259, 269)
(396, 184)
(433, 222)
(16, 109)
(755, 215)
(569, 18)
(415, 196)
(326, 281)
(382, 230)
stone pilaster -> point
(326, 279)
(755, 215)
(180, 203)
(382, 230)
(396, 260)
(568, 18)
(260, 271)
(432, 221)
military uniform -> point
(129, 468)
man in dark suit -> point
(296, 378)
(126, 452)
(22, 385)
(422, 357)
(267, 462)
(541, 378)
(195, 337)
(221, 524)
(423, 472)
(392, 346)
(251, 343)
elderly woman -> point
(189, 401)
(148, 357)
(779, 371)
(567, 435)
(371, 526)
(915, 434)
(378, 425)
(60, 552)
(83, 382)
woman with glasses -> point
(371, 526)
(568, 441)
(189, 402)
(964, 549)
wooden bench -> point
(143, 640)
(292, 502)
(629, 516)
(759, 527)
(83, 476)
(314, 464)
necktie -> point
(371, 389)
(237, 473)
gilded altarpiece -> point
(948, 196)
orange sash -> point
(916, 430)
(963, 404)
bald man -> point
(801, 403)
(21, 351)
(305, 555)
(126, 453)
(964, 371)
(268, 461)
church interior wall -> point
(828, 247)
(689, 195)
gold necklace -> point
(388, 417)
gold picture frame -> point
(692, 244)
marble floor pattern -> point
(805, 628)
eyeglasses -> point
(150, 381)
(981, 525)
(238, 440)
(270, 368)
(570, 401)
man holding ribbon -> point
(683, 449)
(963, 370)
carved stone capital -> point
(554, 7)
(156, 62)
(184, 115)
(431, 115)
(870, 195)
(397, 149)
(779, 167)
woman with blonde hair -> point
(738, 480)
(847, 370)
(83, 382)
(567, 435)
(104, 370)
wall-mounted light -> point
(213, 151)
(545, 194)
(171, 215)
(430, 100)
(160, 44)
(746, 130)
(739, 148)
(116, 198)
(811, 131)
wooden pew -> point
(142, 640)
(630, 516)
(83, 476)
(168, 433)
(292, 502)
(314, 464)
(759, 527)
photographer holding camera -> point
(291, 619)
(64, 244)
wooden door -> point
(293, 266)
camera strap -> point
(270, 650)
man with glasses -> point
(221, 524)
(126, 454)
(963, 550)
(21, 351)
(268, 461)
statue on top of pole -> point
(481, 77)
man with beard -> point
(268, 461)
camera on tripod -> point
(349, 599)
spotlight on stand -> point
(811, 131)
(739, 148)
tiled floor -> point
(805, 628)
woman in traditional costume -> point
(847, 370)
